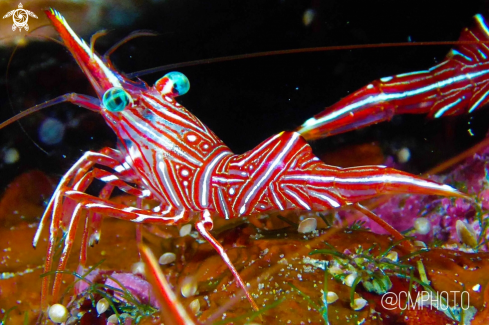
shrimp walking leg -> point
(203, 226)
(91, 204)
(80, 174)
(83, 164)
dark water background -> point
(246, 101)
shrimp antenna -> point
(136, 74)
(131, 36)
(21, 115)
(293, 51)
(94, 38)
(33, 109)
(62, 98)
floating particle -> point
(11, 156)
(308, 17)
(403, 155)
(51, 131)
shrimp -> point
(167, 154)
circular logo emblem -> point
(20, 17)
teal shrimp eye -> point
(116, 99)
(173, 84)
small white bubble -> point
(359, 303)
(331, 297)
(307, 225)
(113, 319)
(58, 313)
(167, 258)
(422, 226)
(466, 234)
(102, 306)
(393, 256)
(195, 306)
(189, 287)
(350, 278)
(419, 243)
(185, 230)
(138, 268)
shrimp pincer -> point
(167, 154)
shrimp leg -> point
(459, 84)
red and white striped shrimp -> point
(459, 84)
(167, 154)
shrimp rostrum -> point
(167, 154)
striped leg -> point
(204, 226)
(112, 181)
(59, 207)
(91, 204)
(87, 161)
(54, 208)
(459, 84)
(95, 219)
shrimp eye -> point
(173, 84)
(116, 99)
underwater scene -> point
(244, 162)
